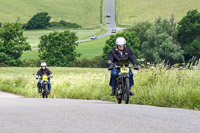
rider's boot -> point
(39, 92)
(131, 93)
(112, 92)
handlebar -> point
(38, 76)
(129, 66)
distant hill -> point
(133, 11)
(83, 12)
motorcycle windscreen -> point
(124, 62)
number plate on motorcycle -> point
(44, 78)
(124, 70)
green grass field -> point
(83, 12)
(30, 55)
(34, 35)
(158, 87)
(92, 48)
(134, 11)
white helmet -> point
(120, 41)
(43, 64)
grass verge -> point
(159, 87)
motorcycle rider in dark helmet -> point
(117, 54)
(43, 71)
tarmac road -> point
(27, 115)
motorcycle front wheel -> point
(119, 99)
(126, 94)
(46, 92)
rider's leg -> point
(114, 74)
(49, 85)
(39, 85)
(131, 81)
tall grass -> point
(158, 87)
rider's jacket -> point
(116, 55)
(42, 72)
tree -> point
(188, 34)
(59, 48)
(161, 44)
(38, 21)
(140, 29)
(132, 42)
(12, 44)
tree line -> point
(163, 40)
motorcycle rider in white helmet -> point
(43, 71)
(121, 52)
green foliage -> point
(38, 21)
(188, 34)
(140, 29)
(0, 24)
(132, 42)
(64, 25)
(59, 48)
(12, 44)
(161, 44)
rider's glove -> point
(135, 67)
(36, 76)
(51, 75)
(111, 67)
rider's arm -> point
(133, 60)
(132, 57)
(38, 74)
(50, 73)
(110, 58)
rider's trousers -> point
(39, 84)
(114, 74)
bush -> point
(38, 21)
(161, 44)
(59, 48)
(12, 44)
(63, 24)
(140, 29)
(188, 34)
